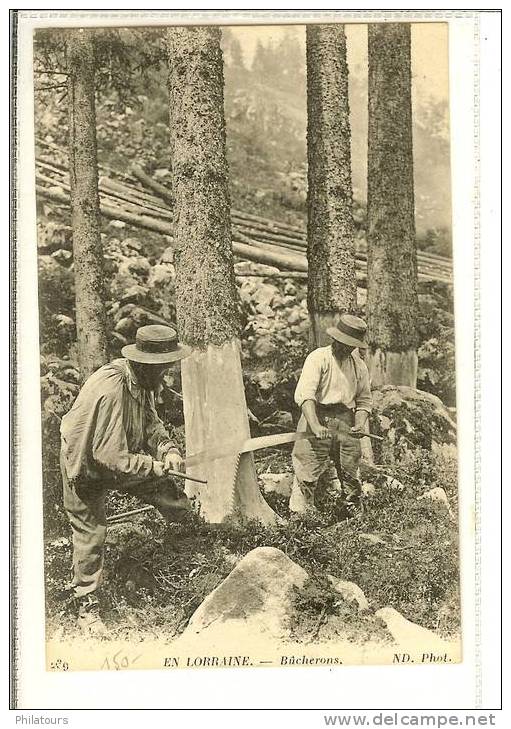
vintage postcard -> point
(244, 268)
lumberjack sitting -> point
(334, 395)
(107, 437)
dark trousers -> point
(84, 503)
(311, 458)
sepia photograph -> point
(247, 345)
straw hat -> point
(156, 344)
(349, 330)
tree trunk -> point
(330, 230)
(207, 303)
(85, 221)
(392, 300)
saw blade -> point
(246, 446)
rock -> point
(117, 224)
(437, 496)
(265, 310)
(279, 483)
(264, 293)
(277, 302)
(134, 264)
(125, 309)
(250, 268)
(288, 301)
(62, 256)
(265, 380)
(262, 323)
(161, 274)
(368, 489)
(133, 294)
(294, 316)
(393, 483)
(385, 422)
(300, 328)
(125, 326)
(263, 347)
(420, 416)
(350, 592)
(290, 289)
(371, 538)
(410, 635)
(63, 321)
(168, 255)
(133, 243)
(256, 597)
(142, 316)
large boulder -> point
(255, 598)
(408, 418)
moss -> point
(206, 296)
(330, 232)
(87, 249)
(392, 300)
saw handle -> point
(335, 429)
(179, 474)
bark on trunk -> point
(330, 229)
(83, 174)
(392, 300)
(206, 297)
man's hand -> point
(321, 432)
(174, 462)
(358, 431)
(158, 469)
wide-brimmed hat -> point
(349, 330)
(156, 344)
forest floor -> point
(402, 552)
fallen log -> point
(272, 258)
(244, 246)
(260, 231)
(146, 179)
(125, 193)
(271, 236)
(301, 275)
(278, 254)
(113, 213)
(273, 230)
(105, 198)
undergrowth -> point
(400, 551)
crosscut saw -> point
(238, 447)
(254, 444)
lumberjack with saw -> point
(334, 395)
(112, 438)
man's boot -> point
(353, 493)
(302, 496)
(89, 618)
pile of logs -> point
(140, 201)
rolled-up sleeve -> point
(308, 383)
(109, 443)
(363, 398)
